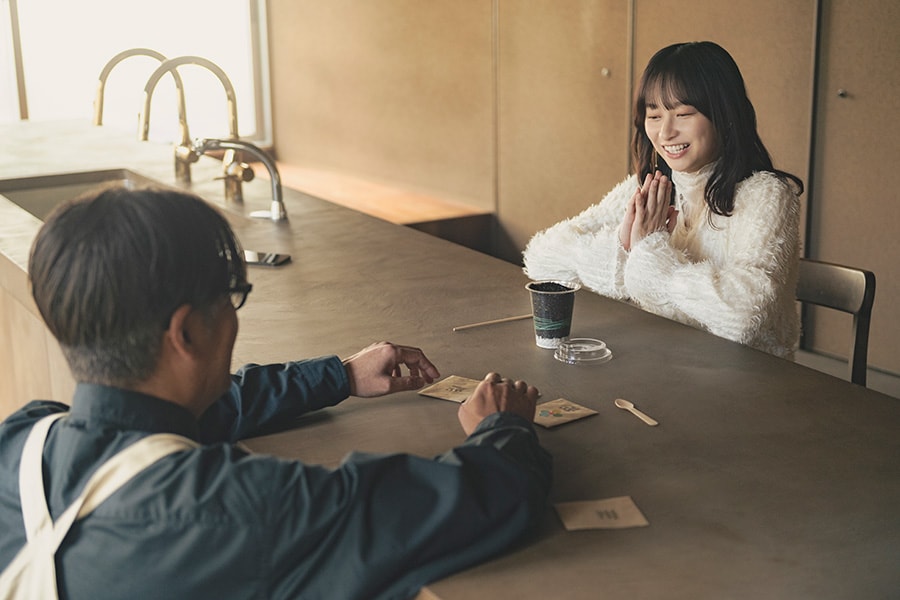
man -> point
(141, 288)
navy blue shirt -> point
(217, 522)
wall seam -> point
(629, 81)
(813, 125)
(805, 311)
(495, 134)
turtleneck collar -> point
(690, 188)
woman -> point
(708, 232)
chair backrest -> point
(846, 289)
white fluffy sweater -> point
(736, 279)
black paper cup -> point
(552, 303)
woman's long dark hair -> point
(703, 75)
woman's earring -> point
(655, 162)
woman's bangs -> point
(669, 90)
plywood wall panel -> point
(855, 203)
(391, 90)
(563, 112)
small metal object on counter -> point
(266, 259)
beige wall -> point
(522, 108)
(395, 90)
(563, 112)
(855, 205)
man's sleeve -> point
(265, 396)
(382, 526)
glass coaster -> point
(578, 351)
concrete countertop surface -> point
(764, 479)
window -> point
(65, 45)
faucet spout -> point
(171, 65)
(277, 211)
(115, 60)
(183, 151)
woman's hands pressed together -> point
(648, 211)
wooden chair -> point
(846, 289)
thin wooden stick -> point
(492, 322)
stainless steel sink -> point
(39, 195)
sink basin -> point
(39, 195)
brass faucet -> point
(115, 60)
(277, 211)
(234, 171)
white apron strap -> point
(32, 574)
(31, 477)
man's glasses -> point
(238, 294)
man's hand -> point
(497, 394)
(376, 370)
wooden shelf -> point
(391, 203)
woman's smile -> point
(682, 135)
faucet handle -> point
(239, 170)
(186, 154)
